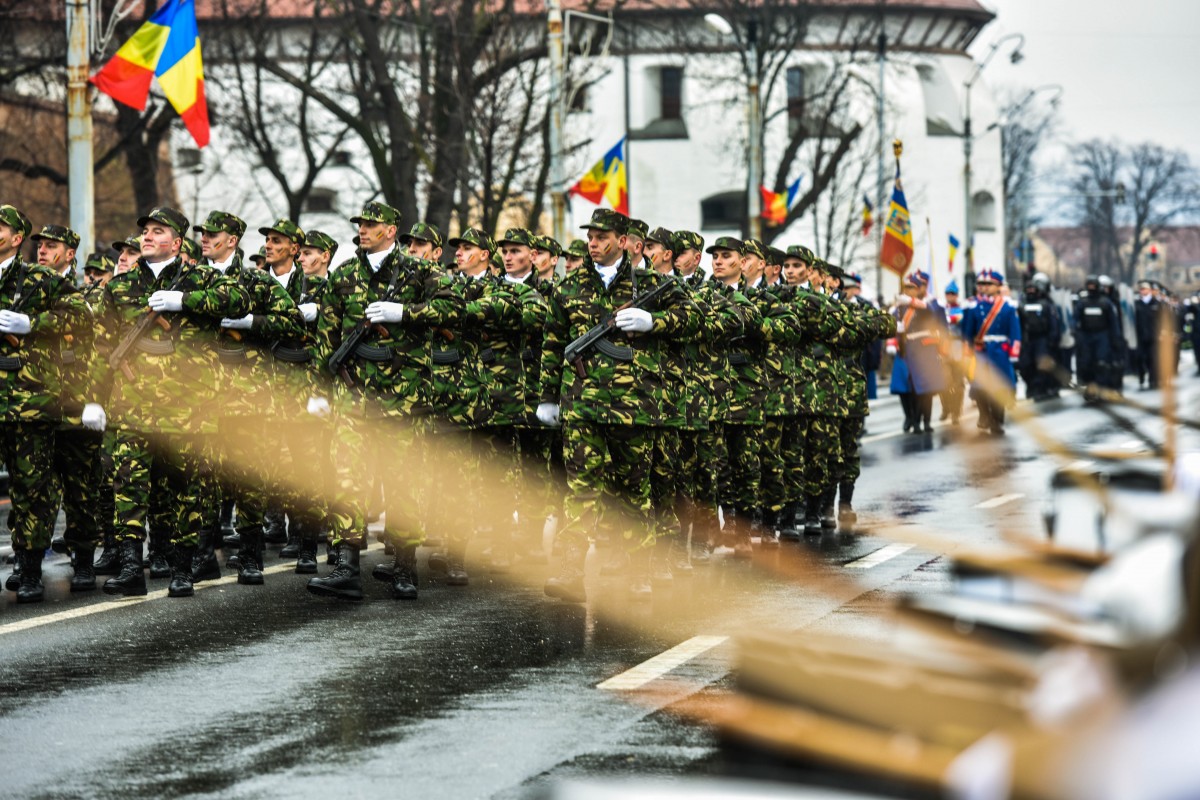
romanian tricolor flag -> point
(167, 46)
(953, 251)
(776, 205)
(868, 215)
(606, 181)
(897, 253)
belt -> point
(231, 355)
(739, 359)
(155, 347)
(527, 355)
(995, 337)
(488, 356)
(614, 351)
(451, 356)
(291, 355)
(370, 352)
(10, 364)
(66, 357)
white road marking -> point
(661, 664)
(995, 502)
(123, 602)
(1080, 465)
(1133, 444)
(880, 556)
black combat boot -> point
(205, 566)
(250, 557)
(769, 537)
(639, 574)
(160, 544)
(30, 590)
(131, 580)
(828, 518)
(59, 545)
(275, 530)
(109, 562)
(661, 561)
(846, 513)
(181, 571)
(14, 578)
(404, 572)
(567, 585)
(787, 523)
(343, 583)
(84, 579)
(291, 548)
(306, 556)
(812, 515)
(456, 570)
(226, 524)
(738, 523)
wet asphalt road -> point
(487, 690)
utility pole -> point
(754, 131)
(881, 197)
(558, 196)
(80, 158)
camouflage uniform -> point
(610, 411)
(30, 399)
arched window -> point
(983, 211)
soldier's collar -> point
(7, 263)
(375, 261)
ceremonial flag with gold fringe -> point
(897, 253)
(606, 181)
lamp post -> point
(1015, 57)
(754, 154)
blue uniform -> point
(1001, 342)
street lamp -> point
(968, 206)
(754, 154)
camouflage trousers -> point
(848, 468)
(27, 449)
(396, 449)
(540, 493)
(168, 469)
(822, 452)
(793, 458)
(743, 489)
(702, 458)
(80, 472)
(777, 479)
(247, 451)
(105, 511)
(666, 481)
(608, 484)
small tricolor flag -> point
(606, 181)
(776, 205)
(167, 46)
(868, 215)
(897, 253)
(953, 251)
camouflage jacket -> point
(75, 352)
(827, 327)
(779, 362)
(872, 324)
(169, 382)
(623, 383)
(748, 354)
(294, 364)
(30, 367)
(390, 369)
(514, 352)
(709, 371)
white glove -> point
(899, 327)
(891, 348)
(309, 310)
(547, 414)
(14, 322)
(242, 324)
(904, 300)
(634, 320)
(94, 418)
(319, 407)
(380, 311)
(162, 300)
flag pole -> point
(80, 156)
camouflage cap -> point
(133, 242)
(688, 240)
(518, 236)
(497, 260)
(775, 256)
(101, 262)
(833, 270)
(605, 219)
(726, 243)
(803, 253)
(754, 247)
(168, 216)
(376, 211)
(285, 228)
(260, 256)
(425, 231)
(15, 219)
(57, 233)
(547, 244)
(578, 249)
(222, 222)
(851, 280)
(322, 241)
(191, 248)
(664, 237)
(637, 228)
(476, 237)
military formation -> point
(651, 409)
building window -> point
(795, 93)
(723, 211)
(340, 158)
(662, 105)
(671, 93)
(943, 117)
(187, 158)
(577, 101)
(321, 201)
(983, 209)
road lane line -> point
(996, 502)
(1080, 465)
(880, 556)
(125, 602)
(661, 664)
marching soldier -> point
(97, 271)
(609, 399)
(546, 253)
(991, 327)
(1041, 329)
(918, 372)
(424, 241)
(576, 255)
(129, 250)
(1100, 347)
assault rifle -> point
(119, 359)
(352, 340)
(594, 338)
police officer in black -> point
(1098, 344)
(1146, 321)
(1041, 327)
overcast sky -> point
(1130, 69)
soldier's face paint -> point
(315, 261)
(660, 257)
(10, 241)
(375, 237)
(541, 259)
(160, 243)
(727, 265)
(518, 260)
(217, 246)
(752, 267)
(419, 248)
(605, 247)
(54, 255)
(281, 252)
(687, 261)
(794, 271)
(574, 263)
(126, 259)
(471, 260)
